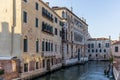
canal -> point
(93, 70)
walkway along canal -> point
(93, 70)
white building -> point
(75, 33)
(116, 49)
(98, 48)
(116, 59)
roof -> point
(59, 8)
(117, 42)
(94, 39)
(6, 58)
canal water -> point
(93, 70)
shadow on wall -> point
(5, 40)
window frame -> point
(56, 32)
(36, 6)
(25, 16)
(116, 49)
(36, 22)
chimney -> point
(71, 9)
(109, 37)
(47, 3)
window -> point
(47, 28)
(107, 45)
(89, 55)
(25, 0)
(42, 45)
(88, 45)
(55, 48)
(99, 45)
(51, 46)
(43, 63)
(67, 48)
(96, 55)
(56, 20)
(51, 29)
(46, 46)
(47, 14)
(104, 50)
(36, 22)
(37, 67)
(24, 17)
(25, 45)
(26, 67)
(92, 45)
(92, 50)
(55, 31)
(116, 49)
(37, 6)
(37, 46)
(88, 50)
(100, 50)
(43, 11)
(63, 14)
(60, 33)
(96, 50)
(61, 23)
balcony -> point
(48, 54)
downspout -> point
(13, 26)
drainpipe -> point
(13, 26)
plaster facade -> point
(75, 34)
(99, 48)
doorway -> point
(48, 64)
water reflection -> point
(90, 71)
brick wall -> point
(8, 69)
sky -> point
(102, 16)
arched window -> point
(99, 45)
(89, 55)
(51, 46)
(104, 50)
(25, 44)
(46, 46)
(63, 14)
(37, 45)
(43, 45)
(100, 50)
